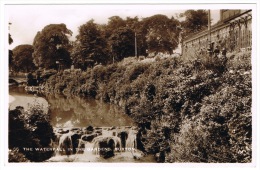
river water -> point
(70, 113)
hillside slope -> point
(195, 110)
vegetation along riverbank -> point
(196, 110)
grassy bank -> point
(195, 110)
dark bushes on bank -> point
(28, 131)
(204, 103)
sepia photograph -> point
(129, 83)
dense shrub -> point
(196, 110)
(15, 156)
(221, 130)
(29, 129)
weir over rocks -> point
(91, 144)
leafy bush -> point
(205, 104)
(16, 156)
(29, 129)
(133, 72)
(221, 129)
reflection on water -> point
(80, 112)
(74, 111)
(18, 97)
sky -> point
(27, 20)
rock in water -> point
(89, 129)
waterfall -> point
(109, 132)
(100, 143)
(65, 146)
(131, 142)
(106, 140)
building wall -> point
(233, 32)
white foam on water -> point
(90, 152)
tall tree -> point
(22, 58)
(114, 23)
(10, 41)
(90, 46)
(195, 21)
(135, 25)
(161, 33)
(122, 43)
(51, 45)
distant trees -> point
(114, 23)
(22, 59)
(122, 43)
(113, 41)
(121, 39)
(90, 46)
(10, 39)
(162, 33)
(10, 53)
(51, 45)
(195, 21)
(116, 39)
